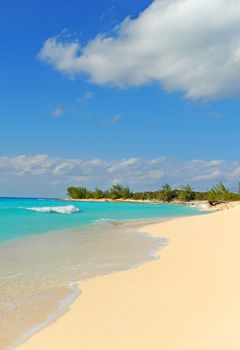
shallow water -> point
(36, 273)
(40, 265)
(21, 217)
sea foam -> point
(68, 209)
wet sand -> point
(39, 274)
(188, 299)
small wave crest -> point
(104, 221)
(68, 209)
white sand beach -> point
(188, 299)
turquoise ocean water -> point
(47, 246)
(20, 217)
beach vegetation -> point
(118, 191)
(219, 194)
(98, 193)
(186, 194)
(79, 193)
(215, 195)
(166, 193)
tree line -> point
(217, 194)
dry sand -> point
(189, 299)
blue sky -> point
(81, 85)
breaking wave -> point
(68, 209)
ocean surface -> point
(20, 217)
(47, 246)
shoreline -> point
(181, 301)
(204, 205)
(74, 285)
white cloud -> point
(122, 165)
(34, 165)
(62, 168)
(57, 112)
(184, 45)
(42, 175)
(208, 176)
(113, 120)
(156, 175)
(236, 172)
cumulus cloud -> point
(21, 165)
(184, 45)
(43, 175)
